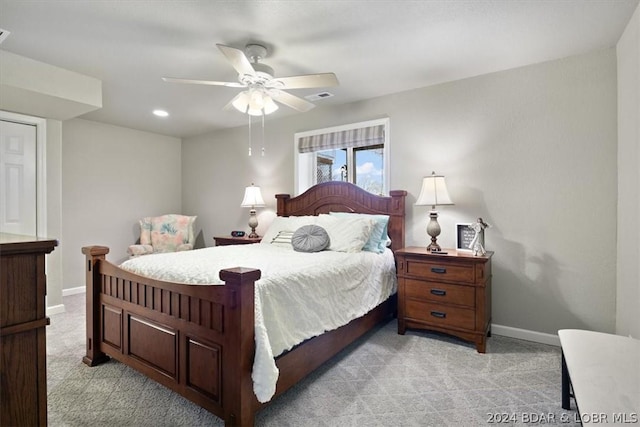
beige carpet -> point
(384, 379)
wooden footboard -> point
(196, 340)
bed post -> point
(240, 401)
(93, 254)
(281, 202)
(396, 222)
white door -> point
(18, 178)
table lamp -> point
(252, 199)
(434, 192)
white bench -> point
(603, 370)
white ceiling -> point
(374, 47)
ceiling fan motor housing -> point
(256, 52)
(263, 70)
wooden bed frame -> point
(199, 340)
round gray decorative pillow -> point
(310, 238)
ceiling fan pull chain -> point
(263, 133)
(249, 136)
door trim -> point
(41, 165)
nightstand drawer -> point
(439, 314)
(440, 292)
(440, 271)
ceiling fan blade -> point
(203, 82)
(291, 100)
(306, 81)
(238, 60)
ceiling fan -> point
(263, 87)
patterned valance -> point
(359, 137)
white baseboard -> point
(525, 334)
(73, 291)
(56, 309)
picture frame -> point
(464, 236)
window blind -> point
(359, 137)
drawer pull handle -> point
(439, 270)
(438, 292)
(439, 314)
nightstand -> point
(230, 240)
(449, 293)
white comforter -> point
(299, 296)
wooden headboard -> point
(336, 196)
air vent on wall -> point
(317, 96)
(3, 35)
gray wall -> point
(216, 170)
(112, 177)
(531, 150)
(628, 291)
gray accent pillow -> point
(310, 238)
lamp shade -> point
(434, 191)
(252, 197)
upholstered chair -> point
(166, 233)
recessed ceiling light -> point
(160, 113)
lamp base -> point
(433, 230)
(253, 223)
(434, 247)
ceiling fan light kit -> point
(254, 102)
(263, 88)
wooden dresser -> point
(449, 293)
(23, 380)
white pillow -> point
(346, 234)
(379, 239)
(286, 223)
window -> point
(356, 153)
